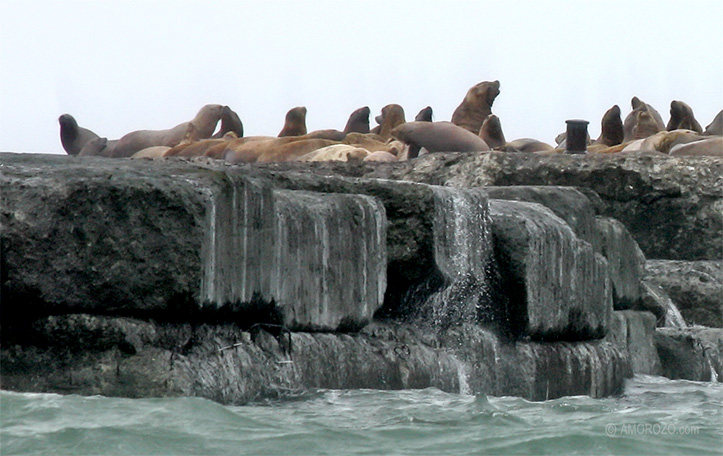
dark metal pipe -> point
(576, 142)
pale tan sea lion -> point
(151, 152)
(476, 106)
(293, 150)
(438, 137)
(491, 132)
(73, 137)
(204, 122)
(682, 118)
(294, 123)
(664, 141)
(526, 145)
(336, 152)
(380, 156)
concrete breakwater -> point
(141, 278)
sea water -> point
(654, 416)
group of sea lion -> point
(473, 128)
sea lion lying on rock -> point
(716, 126)
(708, 146)
(336, 152)
(476, 106)
(438, 137)
(205, 123)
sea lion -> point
(293, 150)
(526, 145)
(476, 106)
(392, 115)
(425, 115)
(94, 147)
(230, 122)
(438, 137)
(204, 122)
(374, 143)
(706, 147)
(491, 132)
(682, 118)
(73, 137)
(380, 156)
(664, 141)
(645, 125)
(151, 152)
(716, 126)
(612, 132)
(336, 152)
(654, 121)
(199, 148)
(294, 123)
(358, 121)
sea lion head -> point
(68, 127)
(358, 121)
(491, 132)
(425, 115)
(295, 122)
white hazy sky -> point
(119, 66)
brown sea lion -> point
(438, 137)
(654, 121)
(645, 125)
(716, 126)
(612, 132)
(682, 118)
(294, 123)
(425, 115)
(358, 121)
(200, 148)
(476, 106)
(73, 137)
(491, 132)
(707, 147)
(230, 122)
(526, 145)
(392, 115)
(204, 122)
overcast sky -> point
(119, 66)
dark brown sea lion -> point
(655, 121)
(230, 122)
(358, 121)
(425, 115)
(612, 128)
(716, 126)
(682, 118)
(295, 122)
(491, 132)
(204, 122)
(438, 137)
(73, 137)
(476, 106)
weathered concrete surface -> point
(691, 353)
(172, 240)
(330, 259)
(558, 286)
(118, 356)
(673, 206)
(634, 333)
(626, 262)
(696, 287)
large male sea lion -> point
(476, 106)
(358, 121)
(491, 132)
(425, 115)
(682, 118)
(612, 132)
(205, 123)
(438, 137)
(716, 126)
(230, 122)
(73, 137)
(294, 123)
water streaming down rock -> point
(462, 252)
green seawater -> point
(655, 416)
